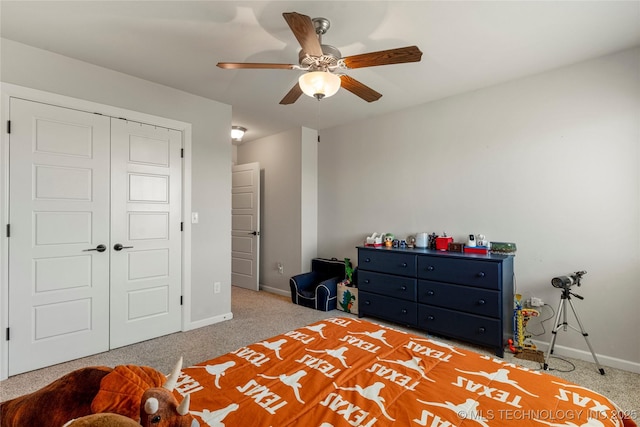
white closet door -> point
(245, 226)
(59, 213)
(146, 169)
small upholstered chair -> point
(318, 288)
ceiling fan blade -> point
(292, 96)
(261, 65)
(305, 32)
(359, 89)
(384, 57)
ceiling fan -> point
(324, 63)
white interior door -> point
(245, 226)
(146, 170)
(58, 215)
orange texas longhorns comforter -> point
(350, 372)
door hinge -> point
(182, 226)
(182, 153)
(8, 126)
(180, 299)
(8, 230)
(8, 334)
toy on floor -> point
(521, 316)
(138, 392)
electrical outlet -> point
(536, 302)
(280, 268)
(216, 288)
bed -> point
(346, 371)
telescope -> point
(568, 281)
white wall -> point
(550, 162)
(211, 158)
(288, 182)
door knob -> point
(119, 247)
(99, 248)
(255, 233)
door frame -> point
(8, 91)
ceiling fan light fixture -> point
(319, 84)
(237, 132)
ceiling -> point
(466, 45)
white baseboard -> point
(613, 362)
(278, 291)
(208, 321)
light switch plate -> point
(194, 217)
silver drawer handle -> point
(481, 302)
(430, 268)
(404, 264)
(481, 274)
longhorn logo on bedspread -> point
(292, 381)
(371, 392)
(412, 364)
(317, 329)
(428, 351)
(468, 410)
(377, 335)
(501, 376)
(274, 346)
(449, 347)
(218, 370)
(337, 354)
(215, 418)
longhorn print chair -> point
(318, 288)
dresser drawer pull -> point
(481, 274)
(404, 311)
(367, 302)
(404, 264)
(430, 293)
(367, 260)
(430, 268)
(431, 317)
(481, 302)
(481, 330)
(403, 288)
(367, 281)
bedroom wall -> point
(288, 218)
(550, 162)
(211, 157)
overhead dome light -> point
(319, 84)
(237, 132)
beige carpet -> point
(260, 315)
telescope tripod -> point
(562, 311)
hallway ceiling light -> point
(237, 132)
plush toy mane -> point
(121, 390)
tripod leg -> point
(554, 334)
(585, 335)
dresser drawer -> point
(386, 262)
(393, 309)
(484, 274)
(478, 329)
(385, 284)
(484, 302)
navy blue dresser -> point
(466, 297)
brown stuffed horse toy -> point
(139, 393)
